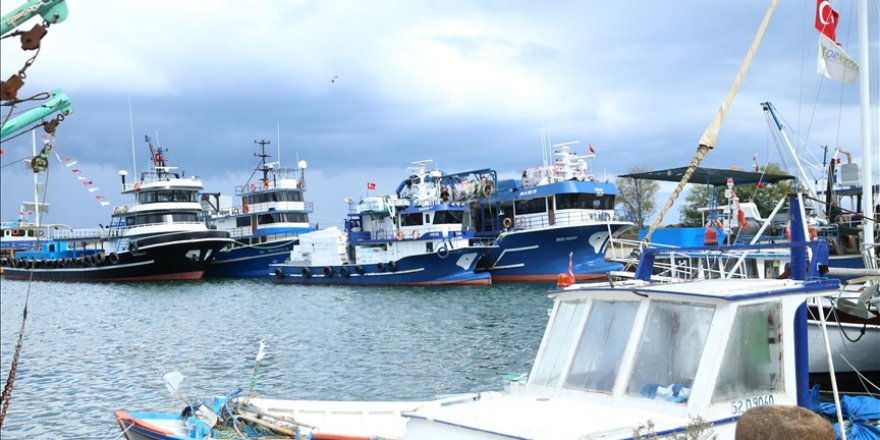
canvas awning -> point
(710, 176)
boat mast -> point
(710, 136)
(262, 155)
(868, 224)
(36, 180)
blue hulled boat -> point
(271, 214)
(554, 214)
(416, 239)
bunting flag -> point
(87, 182)
(592, 150)
(371, 185)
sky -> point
(470, 84)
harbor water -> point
(90, 349)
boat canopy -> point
(711, 176)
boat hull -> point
(243, 260)
(173, 256)
(542, 254)
(455, 268)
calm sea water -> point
(90, 349)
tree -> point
(765, 196)
(636, 196)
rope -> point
(710, 136)
(6, 396)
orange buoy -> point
(564, 279)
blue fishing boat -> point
(555, 214)
(272, 212)
(389, 240)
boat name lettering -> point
(570, 238)
(741, 406)
(527, 193)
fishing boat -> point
(265, 225)
(555, 211)
(158, 237)
(415, 240)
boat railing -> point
(410, 234)
(560, 218)
(85, 234)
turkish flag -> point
(826, 19)
(371, 185)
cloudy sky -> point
(469, 84)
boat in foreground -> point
(616, 358)
(159, 237)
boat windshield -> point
(669, 350)
(751, 364)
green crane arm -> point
(58, 102)
(44, 8)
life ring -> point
(253, 187)
(41, 232)
(443, 251)
(245, 209)
(137, 186)
(399, 235)
(507, 222)
(416, 235)
(115, 210)
(519, 223)
(487, 189)
(113, 257)
(124, 209)
(813, 234)
(266, 184)
(15, 232)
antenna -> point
(134, 169)
(278, 143)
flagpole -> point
(868, 225)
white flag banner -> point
(834, 63)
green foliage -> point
(765, 197)
(697, 429)
(635, 197)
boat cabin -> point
(615, 356)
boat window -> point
(411, 219)
(167, 196)
(601, 346)
(584, 201)
(184, 217)
(557, 345)
(242, 221)
(281, 217)
(752, 361)
(275, 196)
(448, 217)
(669, 351)
(145, 219)
(532, 206)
